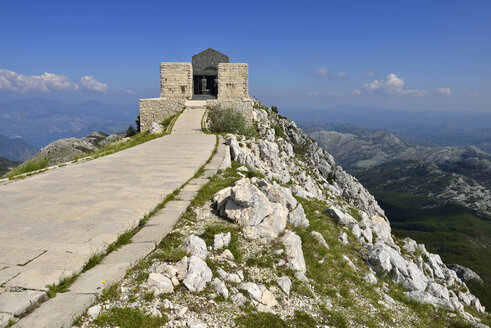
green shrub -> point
(228, 120)
(130, 131)
(274, 109)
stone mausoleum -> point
(210, 80)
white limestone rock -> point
(155, 128)
(94, 311)
(222, 240)
(226, 255)
(370, 278)
(349, 262)
(297, 217)
(198, 274)
(424, 297)
(294, 252)
(343, 238)
(195, 246)
(285, 284)
(320, 238)
(341, 218)
(278, 194)
(253, 290)
(220, 287)
(247, 205)
(161, 282)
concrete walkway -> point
(51, 223)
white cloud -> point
(129, 92)
(312, 93)
(473, 94)
(322, 71)
(369, 73)
(444, 92)
(342, 75)
(356, 92)
(89, 83)
(47, 82)
(391, 85)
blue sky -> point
(418, 55)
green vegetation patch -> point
(129, 318)
(29, 166)
(228, 120)
(457, 233)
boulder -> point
(293, 247)
(465, 274)
(340, 217)
(247, 204)
(155, 128)
(220, 287)
(196, 246)
(161, 282)
(271, 226)
(320, 238)
(222, 240)
(370, 278)
(285, 284)
(297, 217)
(198, 274)
(424, 297)
(278, 194)
(253, 290)
(343, 238)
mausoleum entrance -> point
(205, 73)
(205, 85)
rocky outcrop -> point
(64, 150)
(267, 240)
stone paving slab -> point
(13, 256)
(155, 233)
(58, 312)
(4, 319)
(59, 260)
(16, 303)
(62, 310)
(38, 279)
(80, 209)
(131, 253)
(187, 194)
(99, 277)
(9, 273)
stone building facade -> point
(210, 78)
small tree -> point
(138, 124)
(274, 109)
(130, 131)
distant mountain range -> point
(438, 195)
(384, 162)
(42, 121)
(6, 165)
(16, 149)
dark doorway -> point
(205, 85)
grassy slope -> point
(460, 235)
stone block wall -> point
(176, 80)
(233, 81)
(244, 105)
(157, 110)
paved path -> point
(51, 223)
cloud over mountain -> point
(391, 85)
(90, 83)
(46, 82)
